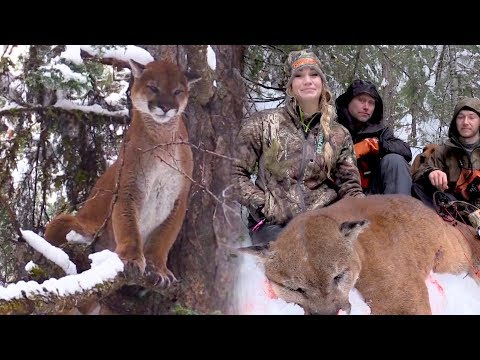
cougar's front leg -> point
(161, 241)
(129, 245)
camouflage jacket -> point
(291, 176)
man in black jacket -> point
(383, 159)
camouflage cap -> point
(297, 60)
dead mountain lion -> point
(383, 245)
(152, 174)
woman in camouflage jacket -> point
(302, 159)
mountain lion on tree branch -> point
(148, 183)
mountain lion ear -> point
(191, 78)
(136, 68)
(351, 229)
(261, 251)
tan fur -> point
(384, 245)
(424, 156)
(152, 170)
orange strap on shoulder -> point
(365, 173)
(464, 180)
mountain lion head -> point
(160, 89)
(299, 274)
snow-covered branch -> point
(63, 106)
(52, 253)
(117, 56)
(105, 275)
(59, 295)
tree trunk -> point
(388, 92)
(356, 63)
(452, 65)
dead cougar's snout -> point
(333, 309)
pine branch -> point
(12, 217)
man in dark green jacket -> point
(383, 159)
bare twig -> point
(5, 51)
(189, 144)
(264, 86)
(186, 175)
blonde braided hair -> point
(328, 113)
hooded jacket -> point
(374, 127)
(291, 175)
(452, 156)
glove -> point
(366, 146)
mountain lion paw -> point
(161, 277)
(134, 267)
